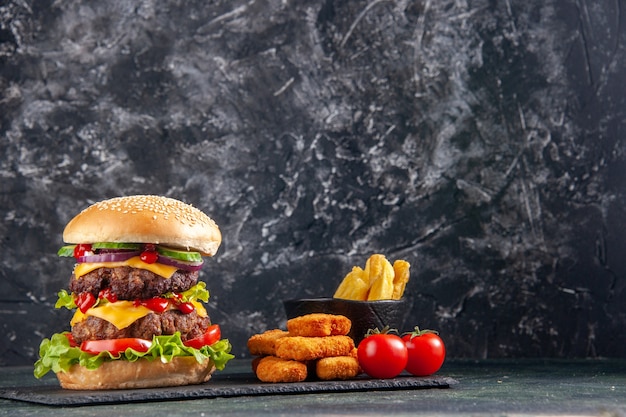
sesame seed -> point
(183, 213)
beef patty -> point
(132, 283)
(189, 325)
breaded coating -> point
(337, 367)
(255, 363)
(318, 325)
(355, 353)
(302, 349)
(263, 344)
(273, 369)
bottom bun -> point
(121, 374)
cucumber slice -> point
(116, 245)
(179, 254)
(67, 250)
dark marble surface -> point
(480, 140)
(483, 388)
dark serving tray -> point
(224, 386)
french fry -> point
(401, 271)
(373, 268)
(378, 281)
(353, 286)
(381, 278)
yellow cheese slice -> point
(122, 314)
(77, 317)
(199, 308)
(165, 271)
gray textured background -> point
(481, 140)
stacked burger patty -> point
(126, 283)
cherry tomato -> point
(84, 301)
(212, 335)
(115, 346)
(382, 355)
(426, 352)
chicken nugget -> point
(273, 369)
(255, 363)
(337, 367)
(263, 344)
(302, 349)
(354, 353)
(319, 324)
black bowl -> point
(364, 315)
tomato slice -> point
(70, 338)
(212, 335)
(115, 346)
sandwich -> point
(139, 316)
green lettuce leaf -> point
(196, 293)
(65, 300)
(56, 354)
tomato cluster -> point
(386, 355)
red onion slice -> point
(187, 266)
(121, 256)
(108, 257)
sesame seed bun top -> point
(145, 219)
